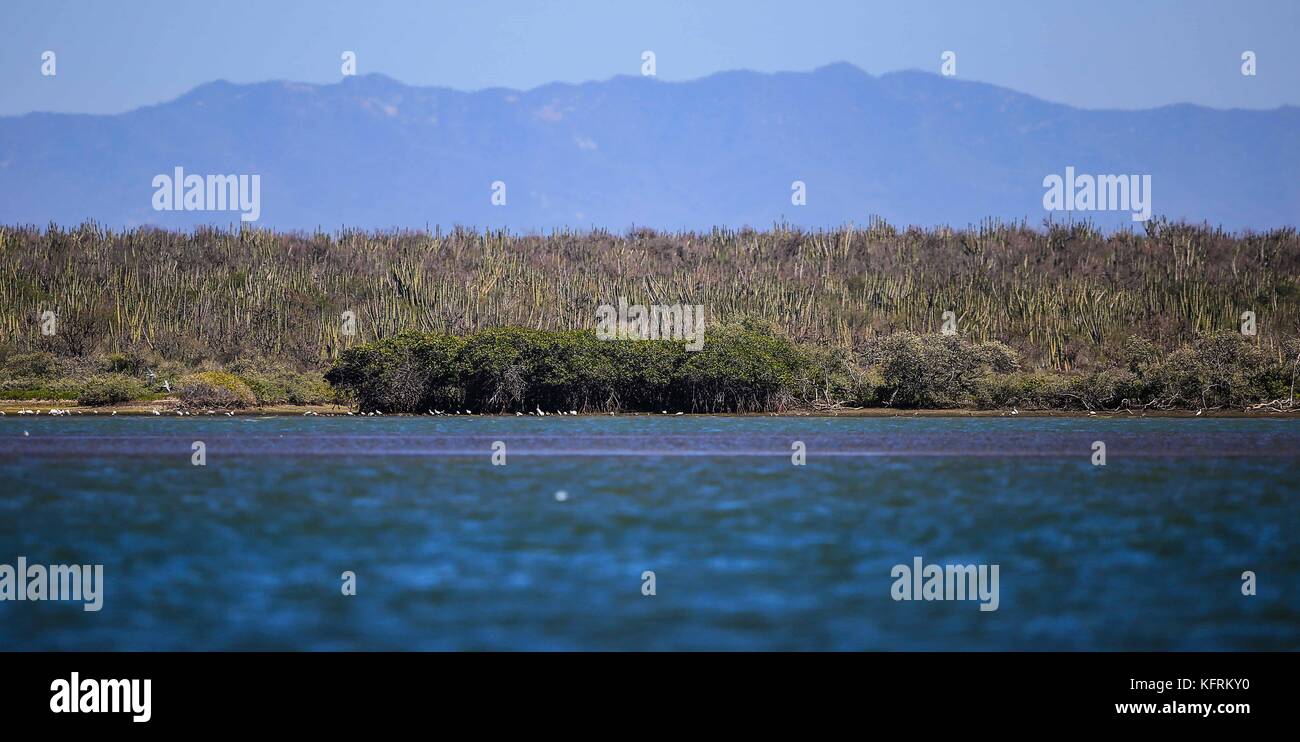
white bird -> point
(573, 412)
(519, 414)
(1014, 411)
(167, 385)
(1198, 412)
(156, 412)
(539, 412)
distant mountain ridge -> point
(724, 150)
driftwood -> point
(1277, 405)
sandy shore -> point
(170, 407)
(161, 406)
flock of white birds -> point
(54, 411)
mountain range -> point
(724, 150)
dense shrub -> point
(111, 389)
(1031, 390)
(408, 372)
(642, 374)
(511, 367)
(742, 368)
(275, 383)
(39, 364)
(1217, 370)
(748, 367)
(833, 378)
(30, 388)
(289, 388)
(215, 390)
(934, 370)
(1107, 389)
(1290, 370)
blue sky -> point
(115, 56)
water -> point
(748, 551)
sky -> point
(116, 56)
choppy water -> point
(748, 551)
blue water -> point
(748, 550)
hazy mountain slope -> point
(912, 147)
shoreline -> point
(169, 408)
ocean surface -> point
(748, 550)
